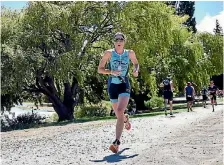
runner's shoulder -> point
(108, 52)
(130, 50)
(131, 53)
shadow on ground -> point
(116, 157)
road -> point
(189, 138)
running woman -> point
(118, 83)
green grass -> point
(89, 119)
(177, 108)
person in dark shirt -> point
(190, 93)
(204, 93)
(167, 85)
(212, 89)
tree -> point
(10, 93)
(54, 48)
(53, 45)
(163, 45)
(149, 27)
(213, 52)
(185, 8)
(218, 29)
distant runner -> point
(167, 85)
(204, 93)
(190, 93)
(212, 93)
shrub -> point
(147, 104)
(155, 102)
(91, 111)
(54, 117)
(88, 111)
(21, 121)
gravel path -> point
(190, 138)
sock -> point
(117, 142)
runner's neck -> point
(119, 51)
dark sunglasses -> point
(118, 39)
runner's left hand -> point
(135, 74)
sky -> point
(206, 12)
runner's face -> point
(119, 42)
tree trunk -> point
(139, 100)
(64, 112)
(65, 108)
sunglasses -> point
(118, 39)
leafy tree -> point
(149, 27)
(218, 29)
(213, 52)
(55, 47)
(185, 8)
(10, 91)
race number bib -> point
(119, 68)
(188, 95)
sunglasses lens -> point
(119, 39)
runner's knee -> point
(120, 110)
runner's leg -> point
(171, 107)
(121, 106)
(171, 102)
(212, 102)
(165, 105)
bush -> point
(88, 111)
(21, 121)
(91, 111)
(54, 117)
(155, 102)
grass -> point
(89, 119)
(178, 108)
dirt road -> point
(189, 138)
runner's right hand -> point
(115, 73)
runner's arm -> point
(193, 91)
(172, 86)
(209, 92)
(217, 91)
(161, 85)
(101, 67)
(134, 60)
